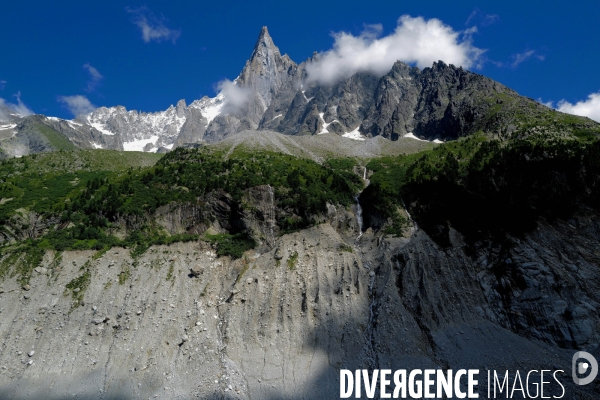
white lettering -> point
(370, 386)
(428, 383)
(504, 382)
(400, 383)
(384, 383)
(346, 377)
(542, 384)
(459, 373)
(472, 383)
(557, 381)
(517, 376)
(412, 384)
(537, 391)
(444, 383)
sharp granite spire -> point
(265, 72)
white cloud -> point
(520, 57)
(2, 84)
(473, 14)
(414, 41)
(3, 110)
(587, 108)
(152, 27)
(18, 108)
(481, 18)
(236, 97)
(95, 77)
(490, 19)
(77, 104)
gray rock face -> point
(224, 126)
(85, 136)
(262, 220)
(265, 73)
(319, 109)
(193, 129)
(442, 102)
(452, 101)
(136, 129)
(31, 135)
(391, 114)
(282, 323)
(38, 133)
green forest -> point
(95, 200)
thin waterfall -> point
(414, 223)
(359, 218)
(271, 215)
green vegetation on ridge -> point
(77, 201)
(487, 187)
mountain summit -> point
(265, 73)
(271, 93)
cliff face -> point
(178, 322)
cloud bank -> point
(95, 77)
(586, 108)
(77, 104)
(415, 41)
(236, 97)
(152, 27)
(17, 108)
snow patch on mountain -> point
(411, 135)
(354, 135)
(138, 129)
(138, 145)
(326, 124)
(210, 107)
(101, 128)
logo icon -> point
(582, 367)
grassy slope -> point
(528, 117)
(320, 147)
(56, 139)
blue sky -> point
(100, 50)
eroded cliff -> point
(178, 322)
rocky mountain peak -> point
(264, 41)
(265, 72)
(181, 107)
